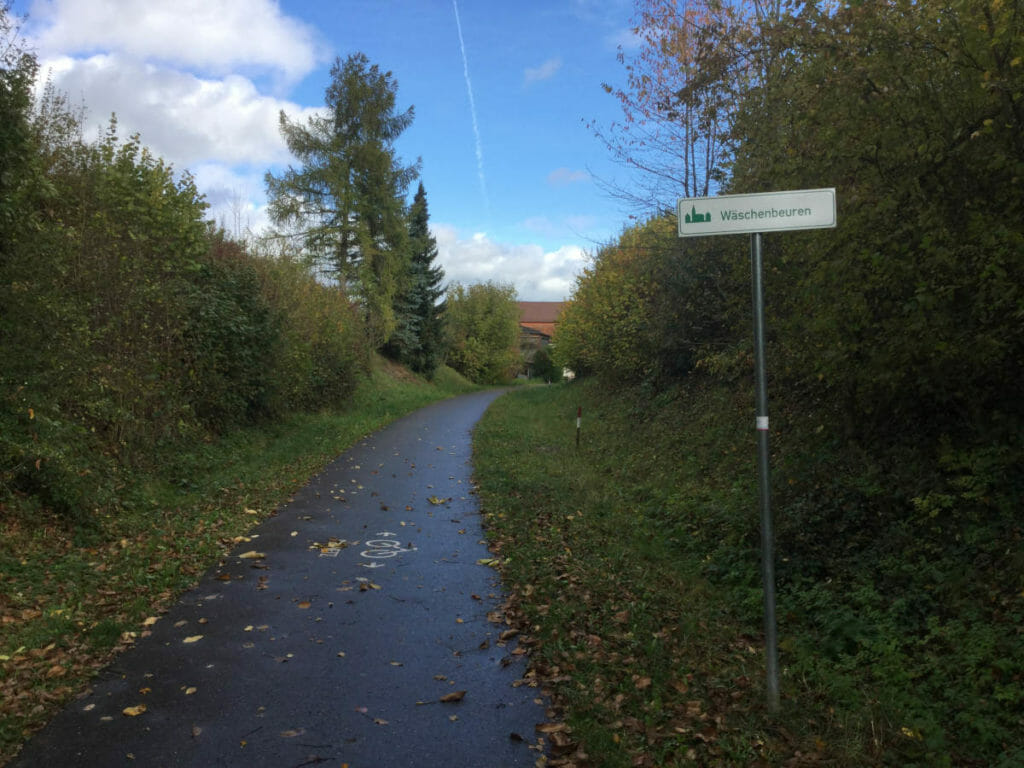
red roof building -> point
(539, 317)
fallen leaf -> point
(192, 639)
(150, 621)
(292, 733)
(251, 512)
(252, 555)
(551, 728)
(454, 696)
(133, 711)
(380, 721)
(305, 604)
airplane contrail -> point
(472, 111)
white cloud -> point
(236, 198)
(538, 275)
(181, 117)
(179, 73)
(561, 177)
(543, 72)
(211, 35)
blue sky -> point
(509, 172)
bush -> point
(483, 326)
(544, 367)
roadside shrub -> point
(651, 307)
(229, 335)
(319, 351)
(544, 367)
(483, 327)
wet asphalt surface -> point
(334, 648)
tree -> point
(913, 112)
(419, 338)
(697, 59)
(483, 322)
(347, 199)
(17, 73)
(674, 132)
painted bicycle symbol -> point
(382, 549)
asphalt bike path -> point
(351, 629)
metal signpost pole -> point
(771, 647)
(755, 214)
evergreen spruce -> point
(419, 338)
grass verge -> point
(72, 596)
(648, 662)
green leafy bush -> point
(483, 327)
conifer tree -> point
(347, 198)
(420, 336)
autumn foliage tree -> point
(682, 87)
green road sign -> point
(762, 212)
